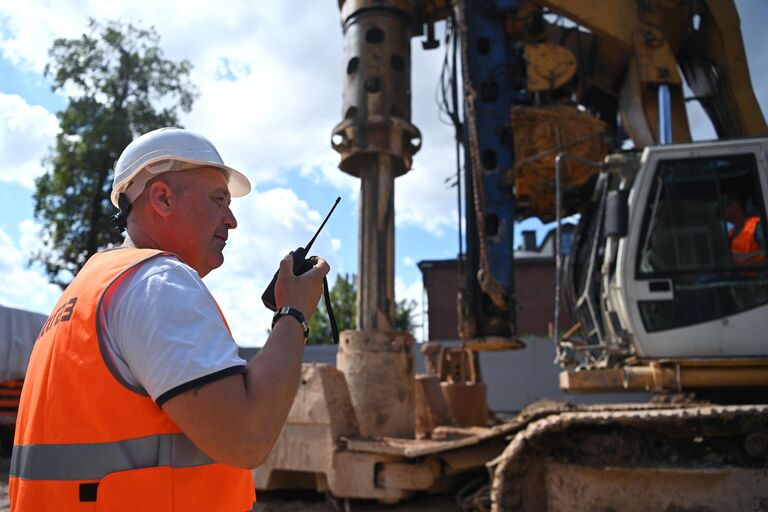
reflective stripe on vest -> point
(95, 461)
(744, 246)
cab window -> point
(693, 234)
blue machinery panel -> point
(496, 73)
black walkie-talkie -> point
(300, 264)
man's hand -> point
(301, 292)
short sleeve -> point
(165, 332)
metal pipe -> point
(665, 115)
(663, 377)
(376, 249)
(558, 258)
(676, 377)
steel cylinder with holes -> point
(377, 87)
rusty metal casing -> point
(377, 87)
(462, 387)
(431, 406)
(379, 369)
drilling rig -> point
(569, 107)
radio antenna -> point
(323, 224)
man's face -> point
(733, 210)
(202, 218)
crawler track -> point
(640, 457)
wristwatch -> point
(295, 313)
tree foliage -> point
(119, 85)
(405, 313)
(344, 303)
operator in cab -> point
(135, 396)
(747, 236)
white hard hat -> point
(168, 149)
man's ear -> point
(161, 197)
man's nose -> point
(229, 219)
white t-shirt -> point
(162, 333)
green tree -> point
(344, 303)
(404, 315)
(119, 85)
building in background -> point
(534, 289)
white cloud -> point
(29, 28)
(410, 291)
(324, 169)
(422, 198)
(26, 134)
(423, 201)
(282, 92)
(9, 255)
(31, 237)
(21, 287)
(413, 292)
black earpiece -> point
(120, 219)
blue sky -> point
(269, 76)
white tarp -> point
(18, 330)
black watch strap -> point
(295, 313)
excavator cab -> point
(685, 259)
(680, 276)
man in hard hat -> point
(135, 397)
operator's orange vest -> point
(86, 442)
(744, 247)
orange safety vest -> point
(744, 247)
(86, 442)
